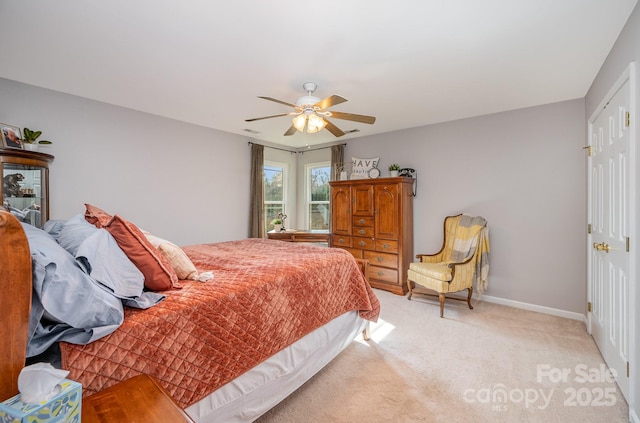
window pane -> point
(271, 212)
(273, 183)
(318, 216)
(320, 183)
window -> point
(274, 191)
(318, 195)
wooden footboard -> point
(15, 302)
(364, 266)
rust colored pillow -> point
(97, 217)
(158, 273)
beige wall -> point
(524, 171)
(182, 182)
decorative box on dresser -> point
(373, 220)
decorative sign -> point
(360, 167)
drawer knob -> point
(362, 243)
(342, 241)
(361, 221)
(379, 259)
(386, 246)
(362, 232)
(380, 273)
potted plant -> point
(394, 168)
(277, 225)
(30, 139)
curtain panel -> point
(256, 213)
(337, 161)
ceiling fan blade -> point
(278, 101)
(330, 101)
(356, 118)
(290, 131)
(333, 129)
(266, 117)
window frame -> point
(308, 167)
(284, 202)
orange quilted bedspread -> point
(265, 295)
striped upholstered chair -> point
(462, 260)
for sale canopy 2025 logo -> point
(589, 386)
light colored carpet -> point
(490, 364)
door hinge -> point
(627, 246)
(627, 119)
(589, 307)
(627, 369)
(589, 150)
(589, 228)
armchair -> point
(462, 260)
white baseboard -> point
(538, 308)
(633, 417)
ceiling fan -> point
(311, 113)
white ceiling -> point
(407, 62)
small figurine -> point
(282, 217)
(11, 186)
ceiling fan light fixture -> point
(300, 121)
(311, 113)
(315, 124)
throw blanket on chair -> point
(472, 233)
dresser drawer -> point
(382, 259)
(354, 252)
(363, 243)
(386, 246)
(382, 274)
(362, 221)
(340, 241)
(362, 231)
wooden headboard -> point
(15, 302)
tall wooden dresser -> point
(373, 220)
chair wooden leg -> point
(469, 297)
(442, 297)
(410, 290)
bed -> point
(228, 349)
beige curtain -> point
(337, 161)
(256, 215)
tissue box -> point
(66, 407)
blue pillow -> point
(102, 258)
(67, 304)
(74, 232)
(53, 227)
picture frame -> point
(11, 136)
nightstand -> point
(139, 399)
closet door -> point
(610, 213)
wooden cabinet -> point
(25, 184)
(373, 220)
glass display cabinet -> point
(25, 184)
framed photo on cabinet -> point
(11, 136)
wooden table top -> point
(297, 235)
(139, 399)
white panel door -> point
(609, 204)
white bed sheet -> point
(252, 394)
